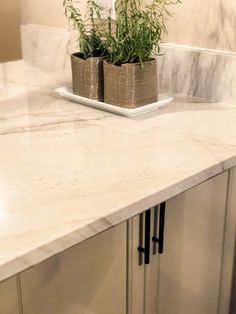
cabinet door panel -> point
(228, 278)
(152, 272)
(143, 279)
(9, 297)
(136, 271)
(89, 278)
(190, 268)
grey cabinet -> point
(187, 277)
(190, 268)
(9, 296)
(227, 294)
(107, 274)
(89, 278)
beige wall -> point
(204, 23)
(45, 12)
(201, 23)
(9, 30)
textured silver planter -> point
(87, 76)
(130, 85)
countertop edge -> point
(101, 224)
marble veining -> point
(68, 172)
(204, 74)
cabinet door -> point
(143, 278)
(152, 269)
(89, 278)
(136, 267)
(190, 268)
(228, 274)
(9, 296)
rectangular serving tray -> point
(68, 94)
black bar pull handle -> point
(160, 239)
(146, 249)
(140, 249)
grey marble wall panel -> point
(200, 73)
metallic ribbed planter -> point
(87, 76)
(130, 85)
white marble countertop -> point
(68, 172)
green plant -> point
(138, 30)
(89, 29)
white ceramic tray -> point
(67, 93)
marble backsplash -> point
(48, 50)
(189, 71)
(198, 72)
